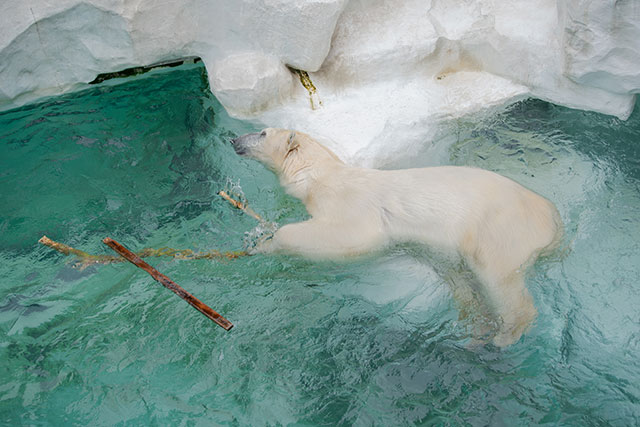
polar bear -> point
(496, 226)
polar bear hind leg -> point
(512, 305)
(501, 250)
(473, 310)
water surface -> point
(373, 341)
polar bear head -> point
(294, 156)
(277, 148)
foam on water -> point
(373, 340)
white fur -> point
(497, 226)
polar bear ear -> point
(292, 143)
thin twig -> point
(239, 205)
(86, 259)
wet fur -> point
(495, 225)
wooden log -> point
(168, 283)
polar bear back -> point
(449, 207)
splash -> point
(263, 231)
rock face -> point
(251, 82)
(48, 48)
(602, 47)
(387, 72)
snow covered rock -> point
(602, 44)
(388, 72)
(48, 48)
(250, 82)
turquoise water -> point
(372, 341)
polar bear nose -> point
(238, 146)
(245, 143)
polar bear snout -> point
(243, 145)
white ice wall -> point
(49, 47)
(387, 72)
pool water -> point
(370, 341)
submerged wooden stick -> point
(168, 283)
(87, 259)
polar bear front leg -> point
(322, 240)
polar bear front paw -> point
(260, 239)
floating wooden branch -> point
(169, 284)
(87, 259)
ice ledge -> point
(387, 73)
(48, 48)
